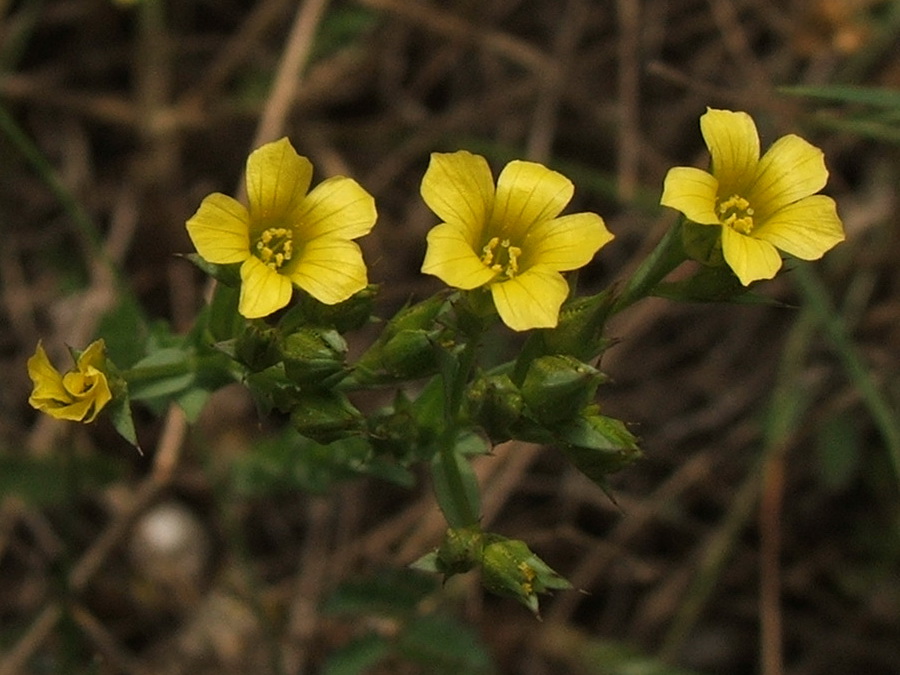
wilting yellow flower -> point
(509, 240)
(80, 394)
(761, 204)
(287, 236)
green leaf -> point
(166, 372)
(393, 592)
(441, 644)
(358, 657)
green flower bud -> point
(257, 347)
(557, 387)
(311, 355)
(510, 569)
(598, 445)
(460, 551)
(326, 416)
(495, 403)
(579, 332)
(406, 347)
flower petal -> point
(805, 229)
(337, 207)
(94, 356)
(790, 170)
(566, 243)
(528, 193)
(330, 270)
(263, 290)
(220, 230)
(750, 259)
(693, 192)
(459, 188)
(277, 180)
(450, 257)
(532, 299)
(733, 146)
(48, 384)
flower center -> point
(275, 246)
(735, 212)
(501, 256)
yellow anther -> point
(275, 246)
(736, 213)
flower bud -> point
(325, 416)
(557, 387)
(257, 347)
(460, 551)
(311, 355)
(406, 347)
(495, 403)
(509, 568)
(80, 394)
(598, 445)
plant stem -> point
(668, 254)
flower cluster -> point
(293, 281)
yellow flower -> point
(509, 240)
(287, 236)
(80, 394)
(761, 204)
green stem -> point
(465, 511)
(668, 254)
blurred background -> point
(759, 533)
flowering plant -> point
(292, 283)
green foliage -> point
(870, 112)
(56, 479)
(431, 640)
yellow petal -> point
(277, 181)
(805, 229)
(693, 192)
(330, 270)
(790, 170)
(459, 188)
(220, 230)
(750, 259)
(450, 257)
(94, 356)
(263, 290)
(568, 242)
(528, 193)
(337, 207)
(531, 300)
(82, 410)
(733, 147)
(48, 385)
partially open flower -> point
(509, 240)
(287, 237)
(760, 204)
(80, 394)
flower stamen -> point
(275, 247)
(501, 257)
(736, 213)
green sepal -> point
(703, 243)
(325, 416)
(119, 408)
(459, 551)
(222, 318)
(312, 355)
(598, 445)
(405, 349)
(509, 568)
(557, 386)
(495, 404)
(349, 315)
(258, 346)
(712, 284)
